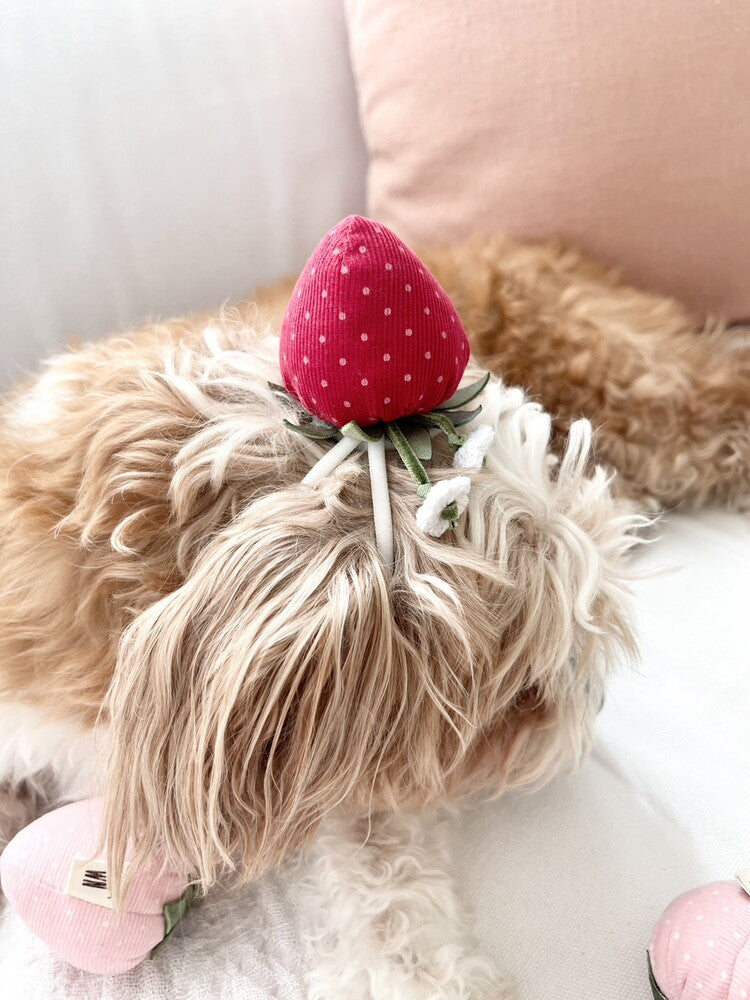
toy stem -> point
(330, 460)
(381, 502)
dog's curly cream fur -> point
(251, 665)
(165, 574)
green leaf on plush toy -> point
(318, 430)
(463, 396)
(658, 995)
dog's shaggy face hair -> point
(163, 569)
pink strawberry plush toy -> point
(372, 351)
(701, 946)
(56, 880)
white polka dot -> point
(407, 378)
(715, 892)
(294, 336)
(725, 909)
(322, 338)
(365, 290)
(342, 361)
(324, 294)
(68, 913)
(105, 923)
(455, 361)
(307, 315)
(676, 935)
(306, 360)
(710, 943)
(342, 315)
(686, 956)
(699, 985)
(336, 252)
(363, 249)
(387, 400)
(421, 397)
(344, 269)
(408, 331)
(699, 917)
(363, 336)
(440, 378)
(378, 230)
(427, 310)
(428, 354)
(743, 994)
(364, 382)
(389, 267)
(323, 383)
(347, 404)
(314, 400)
(387, 311)
(299, 294)
(453, 319)
(724, 974)
(312, 270)
(737, 935)
(444, 334)
(386, 357)
(285, 356)
(407, 288)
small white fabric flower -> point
(442, 495)
(471, 455)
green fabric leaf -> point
(461, 417)
(658, 995)
(405, 450)
(174, 912)
(419, 439)
(463, 396)
(423, 489)
(318, 430)
(354, 431)
(441, 420)
(450, 513)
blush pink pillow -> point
(623, 127)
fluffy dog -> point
(186, 626)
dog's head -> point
(289, 674)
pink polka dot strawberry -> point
(372, 349)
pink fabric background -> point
(622, 126)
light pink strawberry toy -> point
(55, 878)
(701, 946)
(372, 352)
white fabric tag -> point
(743, 878)
(89, 880)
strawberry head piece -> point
(372, 352)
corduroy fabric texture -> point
(369, 334)
(701, 946)
(35, 867)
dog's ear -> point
(242, 708)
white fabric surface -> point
(568, 882)
(160, 156)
